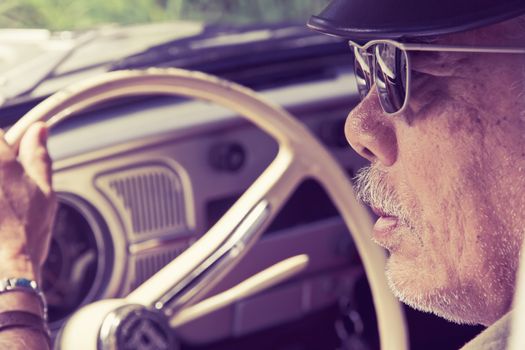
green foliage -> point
(80, 14)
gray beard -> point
(463, 302)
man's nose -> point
(370, 132)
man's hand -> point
(27, 204)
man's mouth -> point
(384, 226)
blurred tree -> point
(80, 14)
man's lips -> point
(384, 227)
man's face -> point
(448, 177)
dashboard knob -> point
(228, 157)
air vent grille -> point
(147, 265)
(149, 199)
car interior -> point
(140, 178)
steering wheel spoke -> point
(182, 282)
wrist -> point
(21, 301)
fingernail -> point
(43, 134)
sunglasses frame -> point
(405, 47)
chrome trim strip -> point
(247, 232)
(154, 245)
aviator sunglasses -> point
(386, 64)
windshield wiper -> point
(25, 78)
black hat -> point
(383, 19)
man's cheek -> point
(426, 100)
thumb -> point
(34, 157)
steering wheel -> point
(102, 325)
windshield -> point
(46, 45)
(60, 15)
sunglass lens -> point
(363, 72)
(391, 76)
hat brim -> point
(389, 19)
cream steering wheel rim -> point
(300, 155)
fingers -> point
(34, 156)
(6, 151)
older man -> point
(442, 120)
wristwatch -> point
(24, 285)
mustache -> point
(373, 189)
